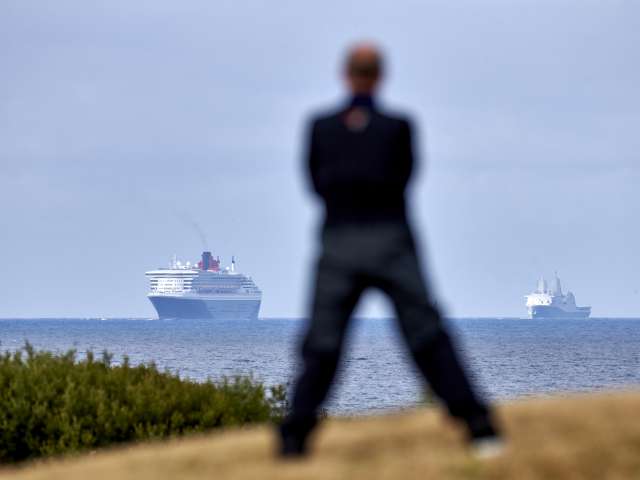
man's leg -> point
(337, 291)
(429, 342)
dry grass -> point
(578, 437)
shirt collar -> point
(366, 101)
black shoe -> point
(293, 436)
(292, 446)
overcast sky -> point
(122, 124)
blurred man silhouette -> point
(360, 160)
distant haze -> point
(130, 130)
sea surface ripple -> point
(507, 358)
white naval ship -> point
(552, 303)
(203, 290)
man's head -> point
(363, 68)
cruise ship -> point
(203, 290)
(553, 304)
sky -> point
(127, 129)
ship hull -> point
(217, 309)
(547, 311)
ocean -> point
(507, 358)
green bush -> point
(52, 404)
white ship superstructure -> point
(552, 303)
(203, 290)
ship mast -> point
(558, 288)
(542, 285)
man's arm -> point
(312, 156)
(405, 159)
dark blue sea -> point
(508, 358)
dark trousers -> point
(383, 256)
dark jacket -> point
(360, 161)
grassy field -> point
(577, 437)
